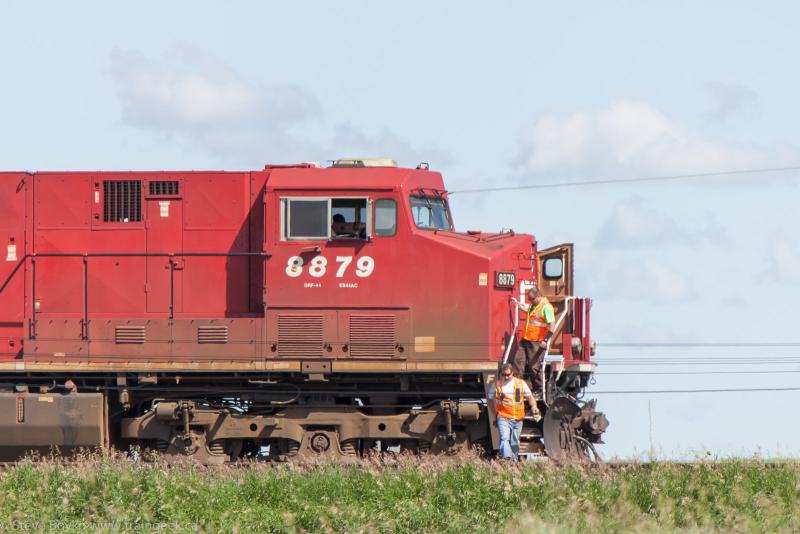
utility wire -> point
(648, 373)
(717, 363)
(668, 361)
(702, 344)
(720, 362)
(710, 359)
(658, 391)
(626, 180)
(701, 363)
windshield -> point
(430, 213)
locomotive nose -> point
(511, 265)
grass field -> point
(458, 495)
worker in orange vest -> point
(539, 328)
(509, 394)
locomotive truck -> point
(221, 315)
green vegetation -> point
(407, 495)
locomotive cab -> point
(370, 261)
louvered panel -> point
(372, 335)
(127, 334)
(169, 188)
(212, 334)
(300, 335)
(122, 201)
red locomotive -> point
(293, 310)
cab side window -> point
(349, 218)
(306, 218)
(385, 217)
(322, 219)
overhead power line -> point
(658, 391)
(681, 363)
(683, 357)
(702, 344)
(674, 358)
(714, 372)
(579, 183)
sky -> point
(492, 95)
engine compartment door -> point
(164, 236)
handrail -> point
(545, 362)
(10, 276)
(561, 359)
(86, 255)
(125, 255)
(512, 338)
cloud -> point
(729, 101)
(193, 98)
(647, 279)
(634, 223)
(352, 141)
(197, 99)
(630, 139)
(785, 261)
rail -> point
(583, 322)
(87, 255)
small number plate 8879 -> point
(503, 279)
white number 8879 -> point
(365, 265)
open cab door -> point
(555, 272)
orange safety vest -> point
(536, 327)
(509, 406)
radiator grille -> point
(212, 334)
(169, 188)
(372, 335)
(300, 335)
(129, 334)
(122, 201)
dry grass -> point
(462, 493)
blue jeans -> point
(510, 430)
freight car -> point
(296, 310)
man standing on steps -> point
(538, 331)
(509, 394)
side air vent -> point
(300, 335)
(165, 188)
(212, 334)
(127, 334)
(372, 335)
(122, 201)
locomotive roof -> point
(302, 177)
(386, 178)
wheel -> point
(559, 436)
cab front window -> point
(430, 212)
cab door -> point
(555, 271)
(555, 275)
(327, 284)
